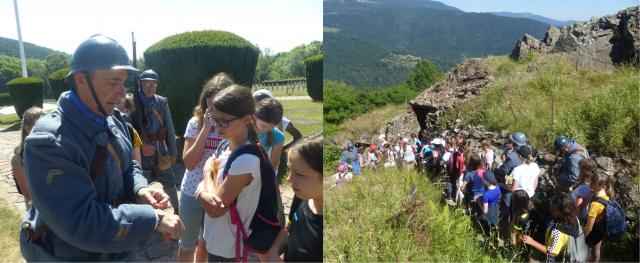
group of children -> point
(505, 200)
(232, 150)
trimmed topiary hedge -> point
(5, 99)
(56, 82)
(184, 62)
(25, 93)
(313, 67)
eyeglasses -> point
(220, 123)
(150, 84)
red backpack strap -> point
(241, 233)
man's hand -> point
(154, 197)
(173, 159)
(170, 226)
(147, 150)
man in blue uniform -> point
(571, 154)
(90, 200)
(152, 120)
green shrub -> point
(5, 99)
(314, 76)
(56, 82)
(25, 93)
(330, 157)
(344, 101)
(186, 61)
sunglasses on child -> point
(219, 122)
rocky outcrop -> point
(600, 44)
(462, 83)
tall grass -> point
(373, 218)
(9, 234)
(598, 109)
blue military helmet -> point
(149, 75)
(99, 52)
(560, 142)
(518, 138)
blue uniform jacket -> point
(84, 223)
(569, 163)
(511, 161)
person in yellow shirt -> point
(594, 229)
(564, 225)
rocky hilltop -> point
(600, 44)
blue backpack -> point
(615, 223)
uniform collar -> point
(148, 102)
(75, 100)
(98, 132)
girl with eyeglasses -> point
(231, 114)
(201, 142)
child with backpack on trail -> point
(582, 189)
(564, 240)
(598, 218)
(521, 222)
(455, 165)
(241, 211)
(490, 200)
(303, 239)
(473, 186)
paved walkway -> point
(156, 249)
(11, 109)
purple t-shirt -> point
(584, 191)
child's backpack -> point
(577, 249)
(454, 168)
(615, 223)
(264, 225)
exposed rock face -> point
(462, 83)
(599, 44)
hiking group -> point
(564, 221)
(84, 169)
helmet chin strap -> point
(93, 94)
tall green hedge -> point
(25, 93)
(5, 99)
(56, 82)
(185, 61)
(314, 76)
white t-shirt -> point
(285, 122)
(488, 157)
(193, 177)
(526, 175)
(408, 156)
(219, 233)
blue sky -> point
(62, 25)
(580, 10)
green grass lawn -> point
(306, 115)
(372, 218)
(8, 120)
(9, 237)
